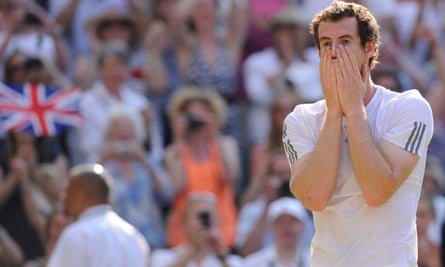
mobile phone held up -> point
(204, 217)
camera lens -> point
(194, 122)
(31, 19)
(204, 217)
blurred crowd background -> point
(179, 96)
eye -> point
(345, 41)
(325, 44)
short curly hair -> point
(368, 27)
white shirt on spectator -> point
(261, 66)
(94, 106)
(100, 238)
(165, 257)
(268, 257)
(249, 216)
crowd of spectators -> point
(183, 103)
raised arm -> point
(237, 27)
(230, 157)
(66, 15)
(380, 168)
(436, 95)
(313, 183)
(155, 44)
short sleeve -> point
(297, 139)
(410, 123)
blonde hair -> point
(184, 95)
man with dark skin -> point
(98, 237)
(358, 156)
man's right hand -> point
(329, 81)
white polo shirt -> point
(348, 232)
(100, 238)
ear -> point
(370, 48)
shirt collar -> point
(95, 211)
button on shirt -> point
(100, 238)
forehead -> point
(340, 28)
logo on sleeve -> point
(415, 138)
(288, 148)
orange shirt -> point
(206, 176)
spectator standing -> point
(98, 237)
(201, 158)
(161, 72)
(117, 25)
(208, 56)
(269, 181)
(271, 70)
(72, 16)
(106, 93)
(288, 218)
(204, 246)
(28, 29)
(142, 186)
(20, 211)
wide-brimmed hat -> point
(96, 23)
(288, 16)
(188, 93)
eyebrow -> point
(340, 37)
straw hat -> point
(288, 16)
(112, 15)
(188, 93)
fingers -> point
(327, 67)
(348, 63)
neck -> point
(205, 36)
(286, 252)
(113, 89)
(200, 253)
(371, 88)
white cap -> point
(289, 206)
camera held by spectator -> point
(194, 122)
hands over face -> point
(342, 79)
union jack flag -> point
(42, 110)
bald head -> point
(89, 185)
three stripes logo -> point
(415, 138)
(288, 148)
